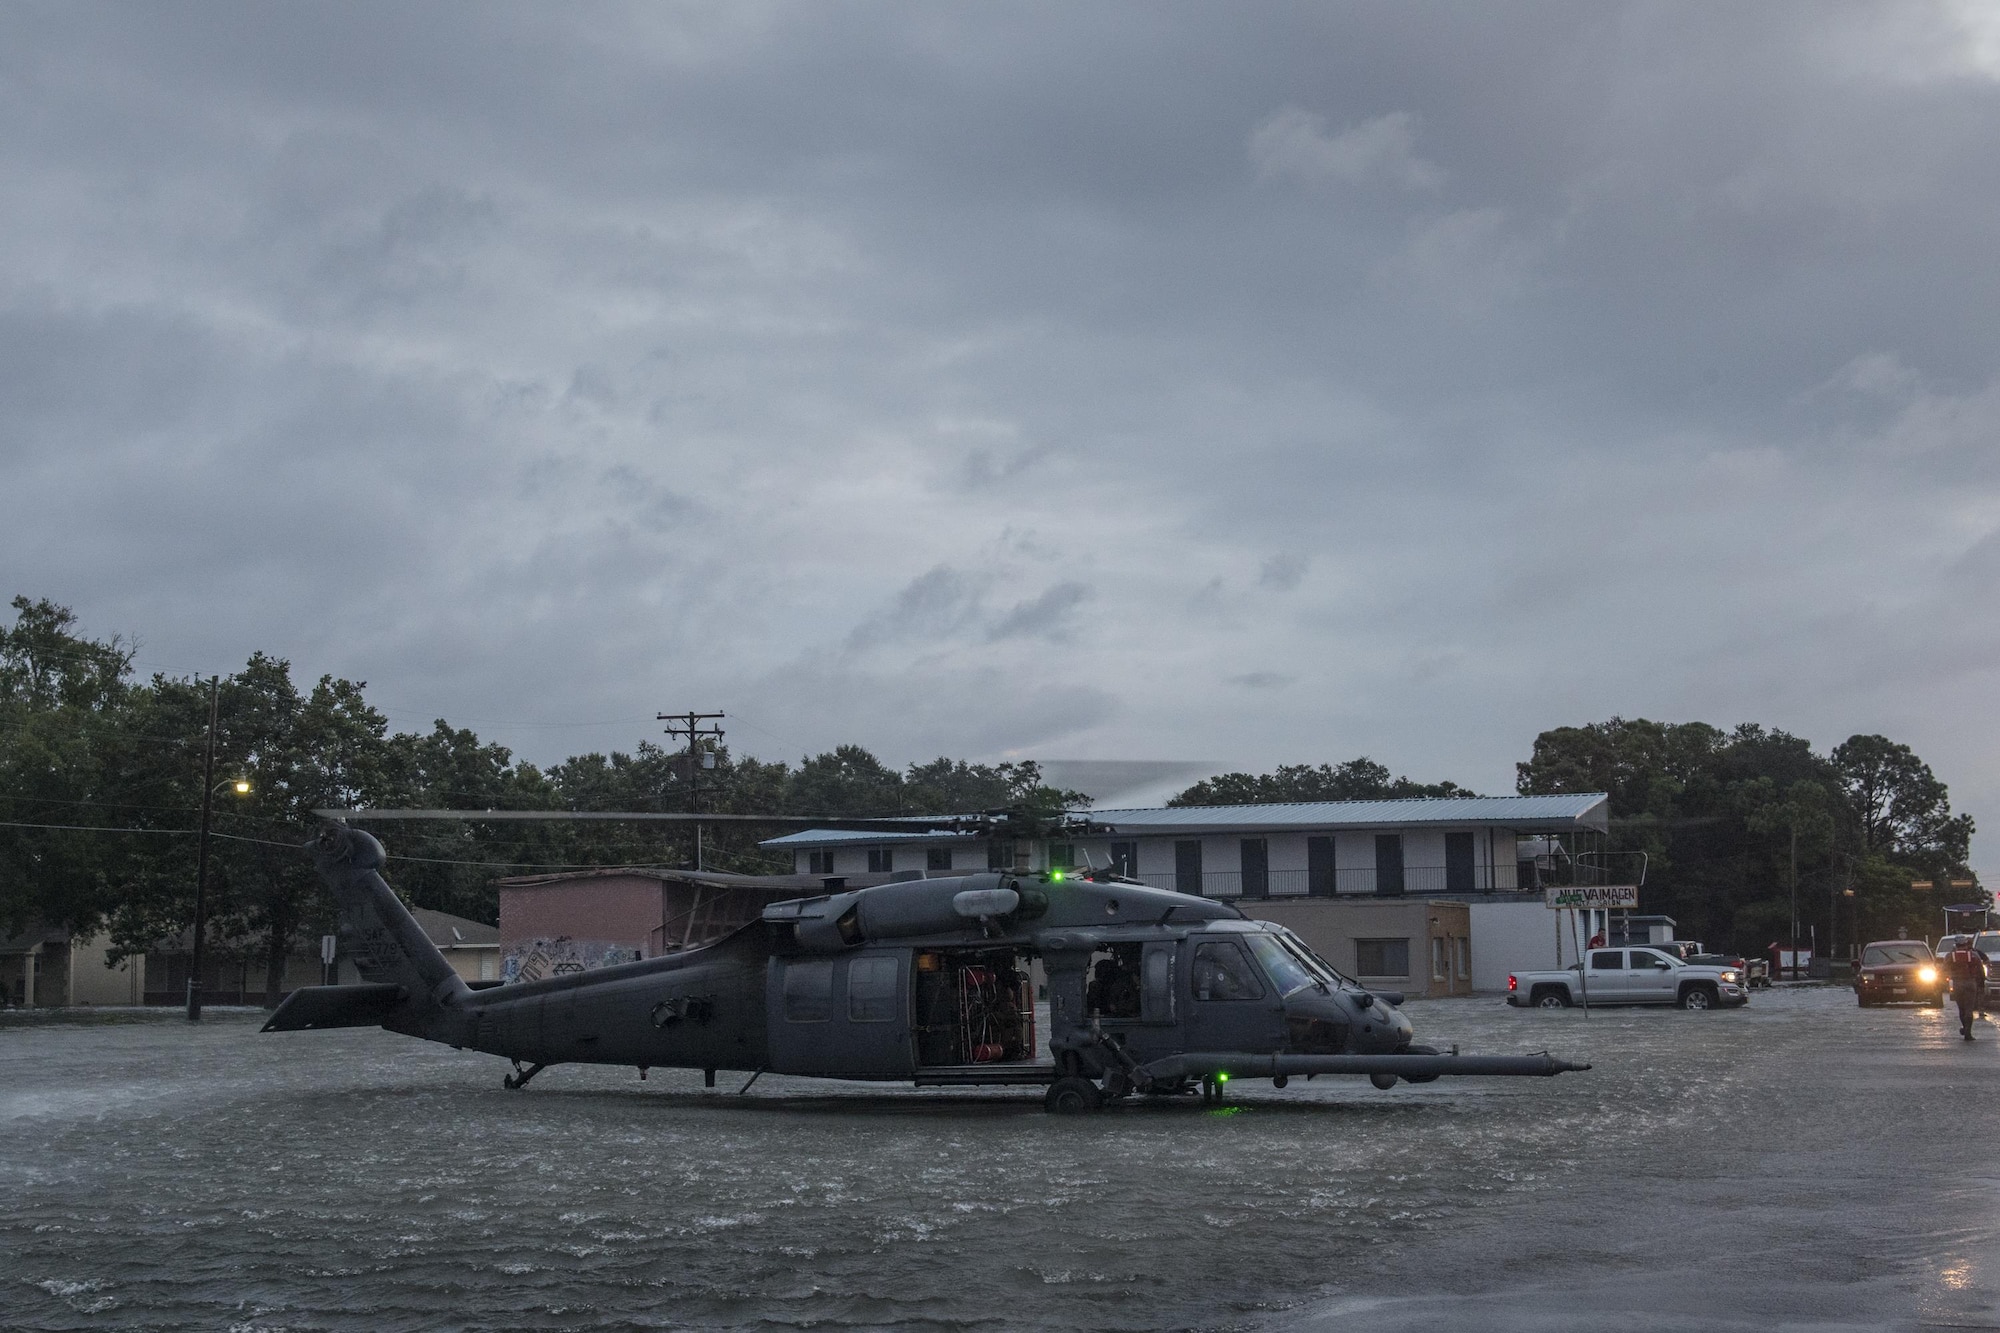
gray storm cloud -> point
(1105, 382)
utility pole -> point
(690, 726)
(201, 856)
(1795, 897)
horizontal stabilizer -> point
(363, 1006)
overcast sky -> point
(1262, 385)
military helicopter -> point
(1150, 992)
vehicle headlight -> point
(1927, 975)
(1729, 976)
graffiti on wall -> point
(539, 959)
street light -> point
(209, 786)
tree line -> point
(101, 776)
(101, 789)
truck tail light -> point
(1513, 982)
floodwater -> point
(1801, 1163)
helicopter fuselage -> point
(933, 981)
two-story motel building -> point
(1389, 891)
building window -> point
(809, 991)
(819, 863)
(937, 858)
(881, 860)
(1462, 947)
(871, 990)
(1437, 958)
(1382, 958)
(1062, 855)
(1125, 858)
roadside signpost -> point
(1586, 898)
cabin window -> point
(1382, 958)
(1222, 971)
(937, 858)
(881, 860)
(819, 863)
(871, 990)
(809, 991)
(1610, 960)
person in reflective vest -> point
(1967, 967)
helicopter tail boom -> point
(389, 948)
(1242, 1064)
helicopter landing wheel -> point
(1421, 1078)
(1071, 1095)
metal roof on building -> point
(1526, 814)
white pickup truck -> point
(1630, 976)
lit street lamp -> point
(209, 786)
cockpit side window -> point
(1222, 971)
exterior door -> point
(1320, 879)
(1389, 865)
(1231, 1006)
(1187, 866)
(1458, 876)
(1256, 868)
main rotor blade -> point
(918, 824)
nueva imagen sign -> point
(1593, 897)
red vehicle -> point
(1899, 972)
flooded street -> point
(1801, 1163)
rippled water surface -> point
(160, 1174)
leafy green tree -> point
(63, 697)
(1899, 807)
(1731, 821)
(1360, 779)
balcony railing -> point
(1348, 882)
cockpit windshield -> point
(1282, 966)
(1326, 973)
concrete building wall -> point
(572, 925)
(1438, 938)
(1515, 937)
(93, 981)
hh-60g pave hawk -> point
(926, 981)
